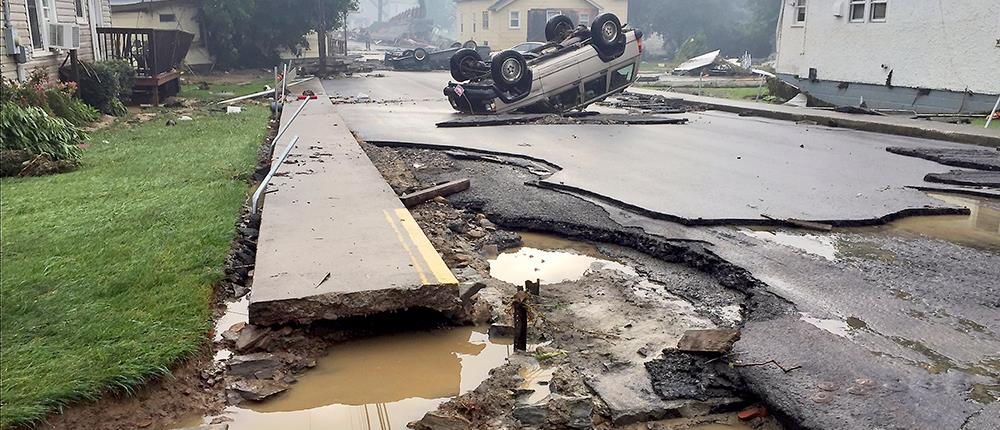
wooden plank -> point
(445, 189)
(712, 340)
(802, 223)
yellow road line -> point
(402, 241)
(427, 251)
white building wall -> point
(935, 44)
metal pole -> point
(289, 123)
(989, 119)
(267, 179)
(284, 82)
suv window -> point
(622, 77)
(596, 87)
(566, 99)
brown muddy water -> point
(551, 260)
(980, 230)
(383, 382)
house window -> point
(40, 14)
(486, 20)
(857, 13)
(551, 13)
(879, 9)
(515, 19)
(585, 19)
(79, 8)
(800, 11)
(168, 17)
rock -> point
(233, 332)
(710, 340)
(185, 118)
(490, 250)
(460, 227)
(257, 389)
(171, 122)
(250, 337)
(476, 233)
(440, 199)
(488, 225)
(437, 420)
(261, 365)
(573, 412)
(532, 415)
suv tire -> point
(606, 33)
(420, 54)
(509, 69)
(558, 28)
(471, 44)
(461, 62)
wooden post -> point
(534, 288)
(520, 326)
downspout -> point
(8, 25)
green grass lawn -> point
(108, 270)
(981, 123)
(216, 87)
(735, 93)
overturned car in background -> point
(430, 59)
(577, 66)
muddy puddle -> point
(382, 382)
(551, 260)
(980, 229)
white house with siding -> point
(927, 56)
(502, 24)
(27, 33)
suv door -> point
(558, 74)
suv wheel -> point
(471, 44)
(606, 32)
(420, 54)
(558, 28)
(464, 64)
(509, 69)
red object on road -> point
(755, 411)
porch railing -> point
(150, 51)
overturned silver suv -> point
(576, 67)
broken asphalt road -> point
(719, 168)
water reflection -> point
(378, 383)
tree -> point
(251, 33)
(734, 26)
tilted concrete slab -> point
(335, 241)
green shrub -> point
(71, 108)
(33, 130)
(55, 98)
(106, 85)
